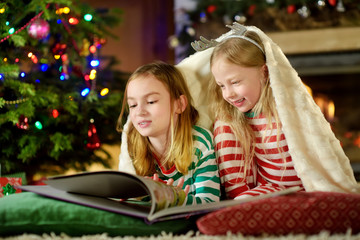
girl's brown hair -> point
(180, 146)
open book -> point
(125, 193)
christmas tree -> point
(58, 104)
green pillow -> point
(28, 212)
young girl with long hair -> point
(162, 138)
(269, 134)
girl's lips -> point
(144, 124)
(239, 103)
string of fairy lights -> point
(39, 29)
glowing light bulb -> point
(104, 91)
(62, 77)
(64, 57)
(73, 21)
(92, 75)
(34, 59)
(38, 125)
(44, 67)
(88, 17)
(92, 49)
(66, 10)
(55, 113)
(85, 92)
(94, 63)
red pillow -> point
(302, 212)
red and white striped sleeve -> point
(272, 167)
(229, 157)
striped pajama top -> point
(203, 175)
(271, 170)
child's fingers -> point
(181, 183)
(156, 177)
(187, 189)
(170, 181)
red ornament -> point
(93, 138)
(291, 9)
(55, 113)
(23, 123)
(251, 10)
(211, 8)
(59, 49)
(332, 2)
(39, 29)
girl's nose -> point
(141, 110)
(228, 93)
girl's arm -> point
(229, 157)
(204, 182)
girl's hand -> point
(180, 184)
(156, 178)
(171, 181)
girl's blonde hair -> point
(244, 53)
(180, 146)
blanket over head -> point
(317, 154)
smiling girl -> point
(269, 133)
(163, 141)
(241, 83)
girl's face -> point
(149, 104)
(240, 86)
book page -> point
(164, 196)
(117, 185)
